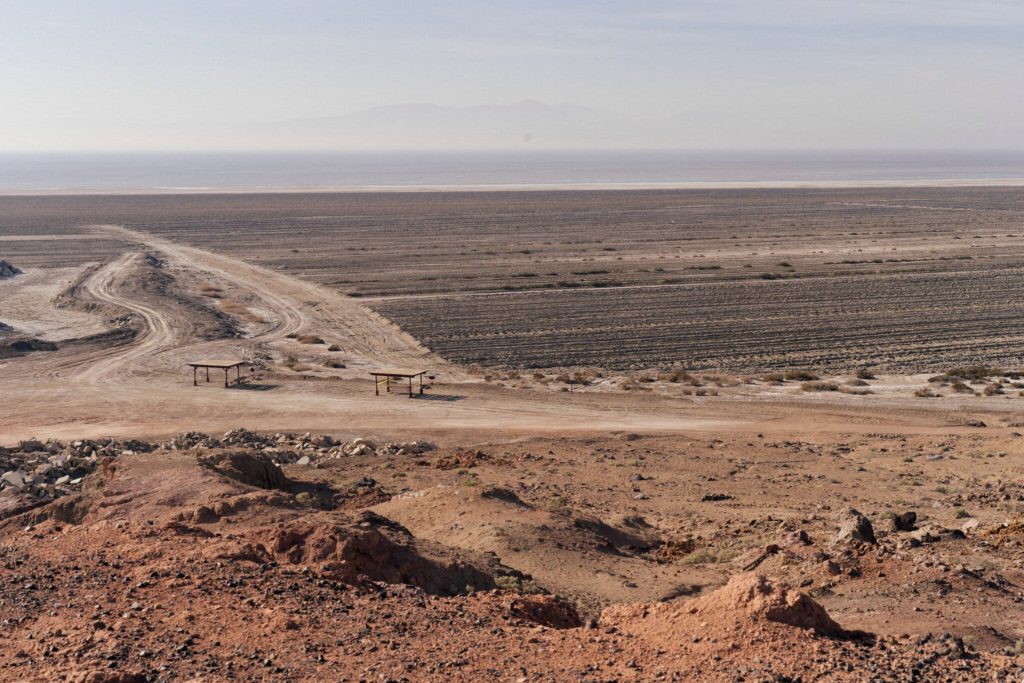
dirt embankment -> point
(212, 563)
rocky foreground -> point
(199, 559)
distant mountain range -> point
(527, 124)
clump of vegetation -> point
(974, 373)
(961, 388)
(864, 373)
(233, 308)
(310, 339)
(925, 392)
(293, 364)
(854, 391)
(960, 513)
(559, 505)
(332, 363)
(774, 378)
(819, 386)
(334, 347)
(800, 376)
(681, 377)
(211, 291)
(710, 556)
(993, 389)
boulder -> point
(855, 527)
(905, 521)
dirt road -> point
(141, 386)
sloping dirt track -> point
(140, 383)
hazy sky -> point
(153, 74)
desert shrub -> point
(334, 347)
(800, 376)
(961, 388)
(239, 311)
(332, 363)
(211, 291)
(774, 377)
(942, 379)
(681, 376)
(722, 380)
(960, 513)
(925, 392)
(559, 505)
(974, 372)
(993, 390)
(819, 386)
(310, 339)
(856, 383)
(854, 391)
(864, 373)
(709, 556)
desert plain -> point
(740, 435)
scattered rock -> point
(905, 521)
(855, 527)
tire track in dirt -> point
(157, 332)
(298, 305)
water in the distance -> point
(137, 172)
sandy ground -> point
(652, 496)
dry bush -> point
(211, 291)
(680, 377)
(864, 373)
(961, 388)
(993, 390)
(819, 386)
(774, 377)
(853, 391)
(722, 380)
(332, 363)
(974, 372)
(334, 347)
(800, 376)
(856, 383)
(925, 392)
(310, 339)
(238, 310)
(293, 364)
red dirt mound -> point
(366, 547)
(747, 598)
(247, 468)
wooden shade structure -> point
(389, 377)
(225, 365)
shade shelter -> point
(225, 365)
(389, 377)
